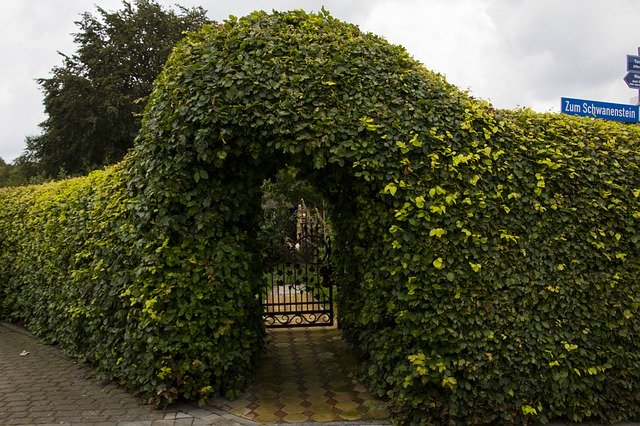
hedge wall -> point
(82, 269)
(487, 260)
(506, 288)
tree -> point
(95, 99)
(13, 174)
(5, 173)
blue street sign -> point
(633, 63)
(632, 79)
(597, 109)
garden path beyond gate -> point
(298, 290)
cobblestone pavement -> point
(41, 385)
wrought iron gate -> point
(298, 290)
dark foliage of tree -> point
(5, 173)
(95, 99)
(21, 172)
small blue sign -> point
(597, 109)
(633, 63)
(632, 79)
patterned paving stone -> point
(307, 376)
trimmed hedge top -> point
(487, 260)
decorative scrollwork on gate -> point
(298, 290)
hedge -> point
(73, 266)
(487, 260)
(508, 289)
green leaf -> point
(391, 188)
(437, 232)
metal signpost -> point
(633, 75)
(607, 110)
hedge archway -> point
(488, 259)
(240, 100)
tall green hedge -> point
(84, 271)
(506, 289)
(487, 260)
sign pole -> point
(638, 101)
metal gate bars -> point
(298, 290)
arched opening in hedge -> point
(240, 100)
(235, 103)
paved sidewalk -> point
(41, 385)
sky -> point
(512, 53)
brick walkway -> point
(40, 385)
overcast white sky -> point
(510, 52)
